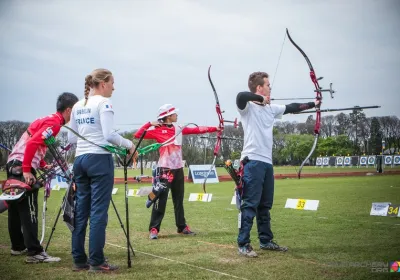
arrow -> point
(227, 138)
(298, 98)
(5, 148)
(342, 109)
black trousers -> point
(177, 185)
(23, 220)
(379, 162)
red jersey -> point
(31, 149)
(171, 153)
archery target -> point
(339, 161)
(388, 160)
(396, 160)
(363, 160)
(371, 160)
(347, 161)
(326, 161)
(319, 161)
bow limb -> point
(46, 192)
(220, 126)
(309, 154)
(43, 219)
(216, 149)
(314, 81)
(318, 90)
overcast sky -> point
(159, 52)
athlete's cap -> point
(166, 110)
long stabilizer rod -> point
(342, 109)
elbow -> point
(238, 98)
(109, 138)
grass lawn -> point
(341, 230)
(119, 173)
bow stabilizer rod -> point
(357, 108)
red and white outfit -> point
(29, 152)
(31, 149)
(170, 169)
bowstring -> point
(279, 59)
(276, 69)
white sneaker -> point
(247, 251)
(42, 257)
(18, 253)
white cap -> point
(166, 110)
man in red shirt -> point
(27, 156)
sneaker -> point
(247, 251)
(153, 233)
(105, 267)
(187, 231)
(80, 266)
(42, 257)
(271, 245)
(18, 253)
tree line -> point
(342, 134)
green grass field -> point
(277, 170)
(119, 173)
(341, 230)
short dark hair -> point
(256, 79)
(66, 100)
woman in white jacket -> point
(93, 117)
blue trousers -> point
(94, 179)
(257, 200)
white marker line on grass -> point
(171, 260)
